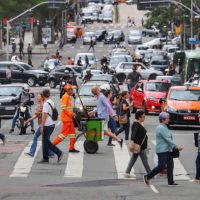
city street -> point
(97, 176)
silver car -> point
(135, 37)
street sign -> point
(54, 4)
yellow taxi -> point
(183, 105)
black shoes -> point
(32, 131)
(121, 143)
(145, 179)
(173, 184)
(11, 131)
(74, 151)
(111, 145)
(43, 162)
(60, 157)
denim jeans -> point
(2, 136)
(46, 143)
(125, 127)
(130, 86)
(16, 116)
(112, 125)
(133, 159)
(34, 144)
(163, 159)
(198, 166)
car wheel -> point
(52, 83)
(91, 147)
(144, 108)
(152, 77)
(31, 81)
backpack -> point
(54, 113)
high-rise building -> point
(151, 4)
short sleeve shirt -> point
(47, 109)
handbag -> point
(135, 148)
(175, 153)
(122, 119)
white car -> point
(155, 43)
(135, 37)
(146, 73)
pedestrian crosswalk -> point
(108, 160)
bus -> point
(187, 63)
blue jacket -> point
(102, 108)
(164, 139)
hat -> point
(163, 116)
(69, 86)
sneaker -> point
(112, 145)
(28, 154)
(74, 151)
(121, 143)
(195, 180)
(60, 157)
(145, 179)
(127, 175)
(32, 131)
(11, 131)
(173, 184)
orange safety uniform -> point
(67, 122)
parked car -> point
(146, 95)
(57, 73)
(183, 105)
(152, 31)
(87, 37)
(146, 73)
(9, 99)
(135, 37)
(23, 73)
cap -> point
(69, 86)
(163, 115)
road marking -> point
(24, 163)
(180, 173)
(122, 159)
(154, 189)
(74, 167)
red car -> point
(146, 95)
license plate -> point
(9, 108)
(189, 117)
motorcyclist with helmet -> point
(104, 65)
(24, 97)
(88, 76)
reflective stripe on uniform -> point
(61, 136)
(64, 107)
(72, 135)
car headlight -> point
(79, 107)
(171, 109)
(152, 99)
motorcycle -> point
(23, 116)
(63, 82)
(105, 68)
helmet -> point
(66, 71)
(25, 88)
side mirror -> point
(162, 100)
(32, 95)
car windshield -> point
(10, 91)
(134, 33)
(101, 78)
(185, 95)
(89, 34)
(159, 62)
(173, 50)
(157, 86)
(116, 60)
(78, 69)
(26, 66)
(86, 91)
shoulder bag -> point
(123, 119)
(135, 148)
(175, 153)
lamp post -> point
(23, 13)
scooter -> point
(23, 116)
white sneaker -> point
(127, 175)
(195, 180)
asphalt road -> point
(99, 176)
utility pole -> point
(191, 20)
(1, 27)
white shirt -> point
(47, 109)
(45, 41)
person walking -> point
(112, 124)
(103, 107)
(197, 176)
(14, 47)
(45, 43)
(67, 119)
(133, 21)
(86, 62)
(91, 44)
(124, 109)
(3, 138)
(8, 75)
(47, 128)
(142, 21)
(37, 115)
(139, 136)
(133, 78)
(21, 47)
(69, 61)
(128, 21)
(29, 51)
(164, 148)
